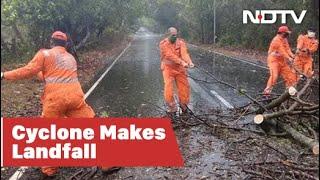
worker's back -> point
(63, 96)
(60, 72)
(59, 66)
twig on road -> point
(258, 174)
(231, 86)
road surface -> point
(135, 82)
(133, 87)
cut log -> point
(276, 102)
(292, 91)
(258, 119)
(313, 144)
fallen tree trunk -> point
(259, 118)
(291, 91)
(276, 102)
(313, 144)
(294, 109)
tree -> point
(30, 22)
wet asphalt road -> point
(133, 83)
(134, 86)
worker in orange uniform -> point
(175, 60)
(63, 96)
(307, 45)
(279, 58)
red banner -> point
(89, 142)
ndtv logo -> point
(260, 16)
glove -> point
(2, 75)
(191, 65)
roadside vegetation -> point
(27, 25)
(196, 20)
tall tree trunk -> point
(17, 32)
(84, 40)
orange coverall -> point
(63, 96)
(172, 55)
(305, 48)
(278, 55)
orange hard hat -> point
(284, 29)
(59, 35)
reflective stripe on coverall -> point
(278, 54)
(172, 54)
(63, 96)
(305, 48)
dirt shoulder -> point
(255, 56)
(22, 98)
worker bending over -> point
(63, 96)
(279, 59)
(307, 45)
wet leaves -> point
(20, 99)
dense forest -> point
(196, 19)
(26, 25)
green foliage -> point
(147, 22)
(195, 20)
(26, 25)
(31, 22)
